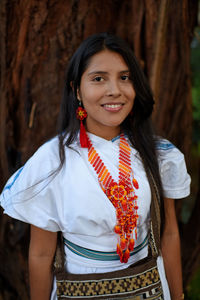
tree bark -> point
(37, 39)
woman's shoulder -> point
(166, 150)
(164, 144)
(49, 151)
(30, 193)
(39, 165)
(49, 148)
(169, 156)
(173, 170)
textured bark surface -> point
(36, 40)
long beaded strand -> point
(122, 195)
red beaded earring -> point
(81, 114)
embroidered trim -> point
(7, 187)
(118, 287)
(162, 145)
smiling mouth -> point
(112, 107)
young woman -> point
(90, 182)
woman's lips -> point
(112, 107)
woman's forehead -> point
(106, 60)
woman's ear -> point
(77, 92)
(72, 85)
(78, 95)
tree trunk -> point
(37, 39)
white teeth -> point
(112, 105)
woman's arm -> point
(170, 247)
(41, 253)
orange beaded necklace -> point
(122, 195)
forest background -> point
(37, 39)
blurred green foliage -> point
(193, 289)
(195, 68)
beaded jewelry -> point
(122, 195)
(81, 114)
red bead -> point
(135, 183)
(126, 256)
(123, 243)
(118, 229)
(131, 244)
(119, 250)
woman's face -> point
(107, 93)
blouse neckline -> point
(98, 139)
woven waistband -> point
(99, 255)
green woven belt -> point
(99, 255)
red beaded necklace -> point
(122, 195)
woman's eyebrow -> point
(97, 72)
(125, 71)
(104, 72)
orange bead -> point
(126, 256)
(123, 201)
(119, 250)
(121, 258)
(131, 244)
(136, 233)
(118, 229)
(123, 243)
(135, 183)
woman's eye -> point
(125, 77)
(98, 78)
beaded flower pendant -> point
(122, 196)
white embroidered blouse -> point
(72, 201)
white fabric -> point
(72, 201)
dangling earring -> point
(81, 114)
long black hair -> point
(138, 127)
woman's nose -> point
(113, 88)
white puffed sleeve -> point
(174, 176)
(30, 194)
